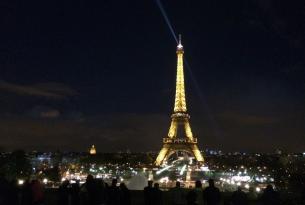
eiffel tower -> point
(172, 143)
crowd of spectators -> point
(97, 192)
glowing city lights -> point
(164, 169)
(45, 181)
(182, 170)
(20, 182)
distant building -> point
(92, 150)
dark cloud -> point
(247, 119)
(144, 132)
(43, 112)
(109, 132)
(47, 90)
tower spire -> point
(180, 103)
(179, 46)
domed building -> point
(92, 150)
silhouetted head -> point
(177, 184)
(156, 185)
(239, 188)
(89, 178)
(211, 182)
(269, 187)
(14, 182)
(26, 182)
(75, 185)
(150, 183)
(198, 184)
(123, 186)
(35, 181)
(114, 182)
(65, 183)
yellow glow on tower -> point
(180, 102)
(172, 142)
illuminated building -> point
(172, 142)
(92, 150)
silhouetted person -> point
(114, 193)
(106, 191)
(177, 195)
(4, 189)
(252, 195)
(211, 194)
(101, 191)
(270, 197)
(157, 195)
(198, 190)
(26, 193)
(239, 197)
(37, 192)
(191, 197)
(13, 193)
(124, 195)
(148, 193)
(303, 194)
(89, 191)
(75, 193)
(63, 193)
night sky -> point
(76, 73)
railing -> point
(180, 115)
(179, 140)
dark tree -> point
(15, 165)
(53, 174)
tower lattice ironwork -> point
(180, 117)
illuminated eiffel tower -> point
(172, 143)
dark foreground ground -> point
(137, 198)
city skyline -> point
(103, 73)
